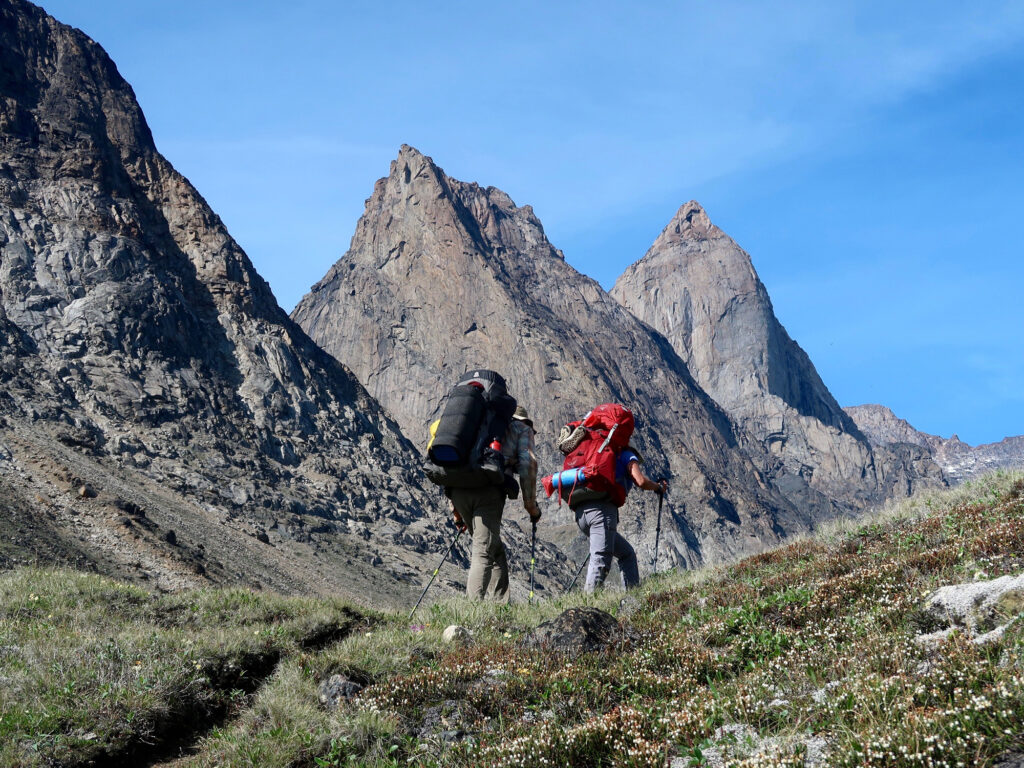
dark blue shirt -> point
(622, 475)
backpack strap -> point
(608, 439)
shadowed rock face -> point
(959, 461)
(698, 288)
(143, 354)
(443, 275)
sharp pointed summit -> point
(700, 289)
(692, 218)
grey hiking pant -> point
(598, 520)
(480, 509)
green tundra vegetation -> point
(806, 650)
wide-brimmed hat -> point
(523, 416)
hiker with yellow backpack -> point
(479, 448)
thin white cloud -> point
(752, 84)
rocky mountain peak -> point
(692, 221)
(418, 196)
(696, 285)
(414, 170)
(37, 46)
(700, 289)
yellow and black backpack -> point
(465, 443)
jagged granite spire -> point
(442, 275)
(700, 289)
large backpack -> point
(598, 439)
(465, 450)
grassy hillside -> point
(805, 654)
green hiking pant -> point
(480, 509)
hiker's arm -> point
(527, 468)
(643, 481)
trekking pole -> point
(578, 572)
(657, 532)
(533, 559)
(434, 575)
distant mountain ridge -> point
(958, 460)
(696, 286)
(443, 275)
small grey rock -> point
(456, 635)
(336, 690)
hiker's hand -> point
(663, 486)
(533, 510)
(459, 522)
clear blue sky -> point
(869, 155)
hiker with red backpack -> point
(600, 469)
(480, 446)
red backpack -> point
(608, 429)
(615, 420)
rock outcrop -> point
(576, 631)
(982, 609)
(443, 275)
(143, 357)
(958, 460)
(882, 427)
(696, 286)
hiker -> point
(596, 504)
(479, 511)
(502, 452)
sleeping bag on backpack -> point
(458, 427)
(475, 418)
